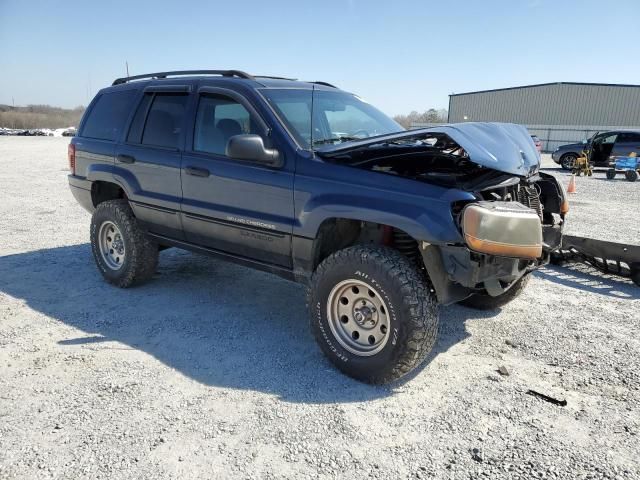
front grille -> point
(529, 196)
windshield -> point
(320, 117)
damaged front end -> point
(514, 220)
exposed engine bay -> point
(435, 157)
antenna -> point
(126, 63)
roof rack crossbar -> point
(224, 73)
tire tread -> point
(422, 322)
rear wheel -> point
(631, 175)
(122, 251)
(484, 301)
(372, 313)
(568, 161)
(611, 173)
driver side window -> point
(218, 119)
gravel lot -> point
(209, 371)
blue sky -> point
(399, 55)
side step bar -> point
(608, 257)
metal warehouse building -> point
(558, 113)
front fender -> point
(428, 219)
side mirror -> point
(251, 147)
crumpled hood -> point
(505, 147)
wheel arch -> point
(110, 183)
(102, 191)
(337, 233)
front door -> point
(601, 148)
(238, 207)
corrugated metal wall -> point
(554, 104)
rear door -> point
(101, 128)
(238, 207)
(149, 160)
(626, 143)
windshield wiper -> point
(335, 139)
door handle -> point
(197, 172)
(125, 158)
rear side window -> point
(165, 119)
(218, 119)
(107, 117)
(628, 137)
(137, 124)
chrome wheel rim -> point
(358, 317)
(569, 161)
(111, 245)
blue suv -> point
(314, 184)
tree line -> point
(39, 116)
(429, 116)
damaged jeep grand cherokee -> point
(314, 184)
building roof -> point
(545, 85)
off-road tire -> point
(564, 161)
(484, 301)
(611, 173)
(412, 311)
(631, 175)
(141, 257)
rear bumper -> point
(81, 190)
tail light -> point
(71, 151)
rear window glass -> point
(107, 117)
(164, 121)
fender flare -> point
(434, 224)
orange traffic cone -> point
(572, 184)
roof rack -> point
(224, 73)
(275, 78)
(326, 84)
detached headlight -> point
(507, 229)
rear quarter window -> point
(108, 115)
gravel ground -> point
(209, 370)
(601, 208)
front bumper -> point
(457, 272)
(555, 156)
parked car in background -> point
(537, 142)
(603, 147)
(566, 155)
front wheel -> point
(568, 161)
(122, 251)
(631, 175)
(372, 313)
(484, 301)
(611, 173)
